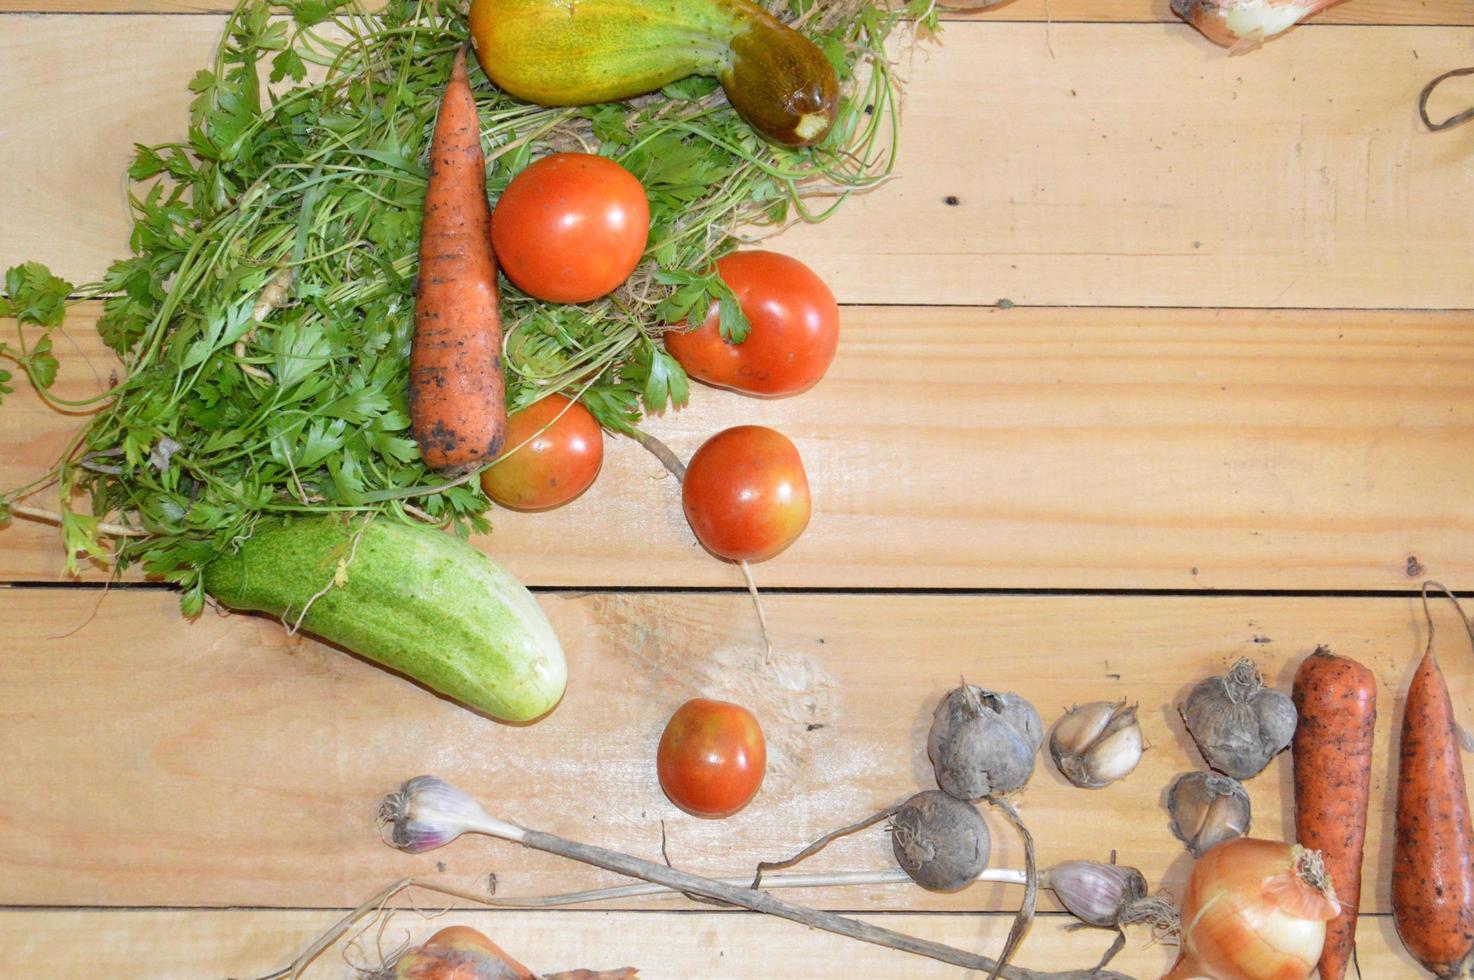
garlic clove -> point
(1207, 809)
(1095, 744)
(1096, 893)
(1117, 753)
(1081, 725)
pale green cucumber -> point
(414, 599)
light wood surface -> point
(1113, 426)
(1299, 177)
(204, 945)
(1438, 12)
(963, 448)
(159, 762)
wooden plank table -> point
(1227, 409)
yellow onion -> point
(1244, 24)
(1255, 910)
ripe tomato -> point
(711, 758)
(795, 329)
(570, 227)
(746, 494)
(550, 458)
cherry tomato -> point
(795, 329)
(711, 758)
(746, 494)
(570, 227)
(550, 457)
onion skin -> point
(1244, 24)
(1250, 914)
(459, 953)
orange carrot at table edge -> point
(457, 401)
(1336, 701)
(1433, 856)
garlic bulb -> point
(1243, 25)
(1207, 809)
(1097, 743)
(1238, 723)
(982, 743)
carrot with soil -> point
(1433, 855)
(457, 401)
(1336, 701)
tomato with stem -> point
(571, 227)
(553, 452)
(711, 758)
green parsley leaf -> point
(42, 364)
(34, 295)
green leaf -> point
(309, 12)
(5, 389)
(733, 324)
(79, 537)
(34, 295)
(192, 602)
(42, 364)
(146, 163)
(288, 64)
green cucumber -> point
(414, 599)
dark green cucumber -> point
(414, 599)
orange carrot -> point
(1433, 855)
(456, 397)
(1336, 701)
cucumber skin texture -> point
(580, 52)
(414, 599)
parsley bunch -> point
(265, 316)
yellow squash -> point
(578, 52)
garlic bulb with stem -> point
(1095, 744)
(428, 812)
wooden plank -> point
(156, 762)
(190, 944)
(1299, 177)
(1042, 448)
(1433, 12)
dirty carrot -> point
(457, 404)
(1336, 700)
(1433, 856)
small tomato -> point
(554, 449)
(711, 758)
(746, 494)
(570, 227)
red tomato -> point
(711, 758)
(795, 329)
(550, 458)
(570, 227)
(746, 494)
